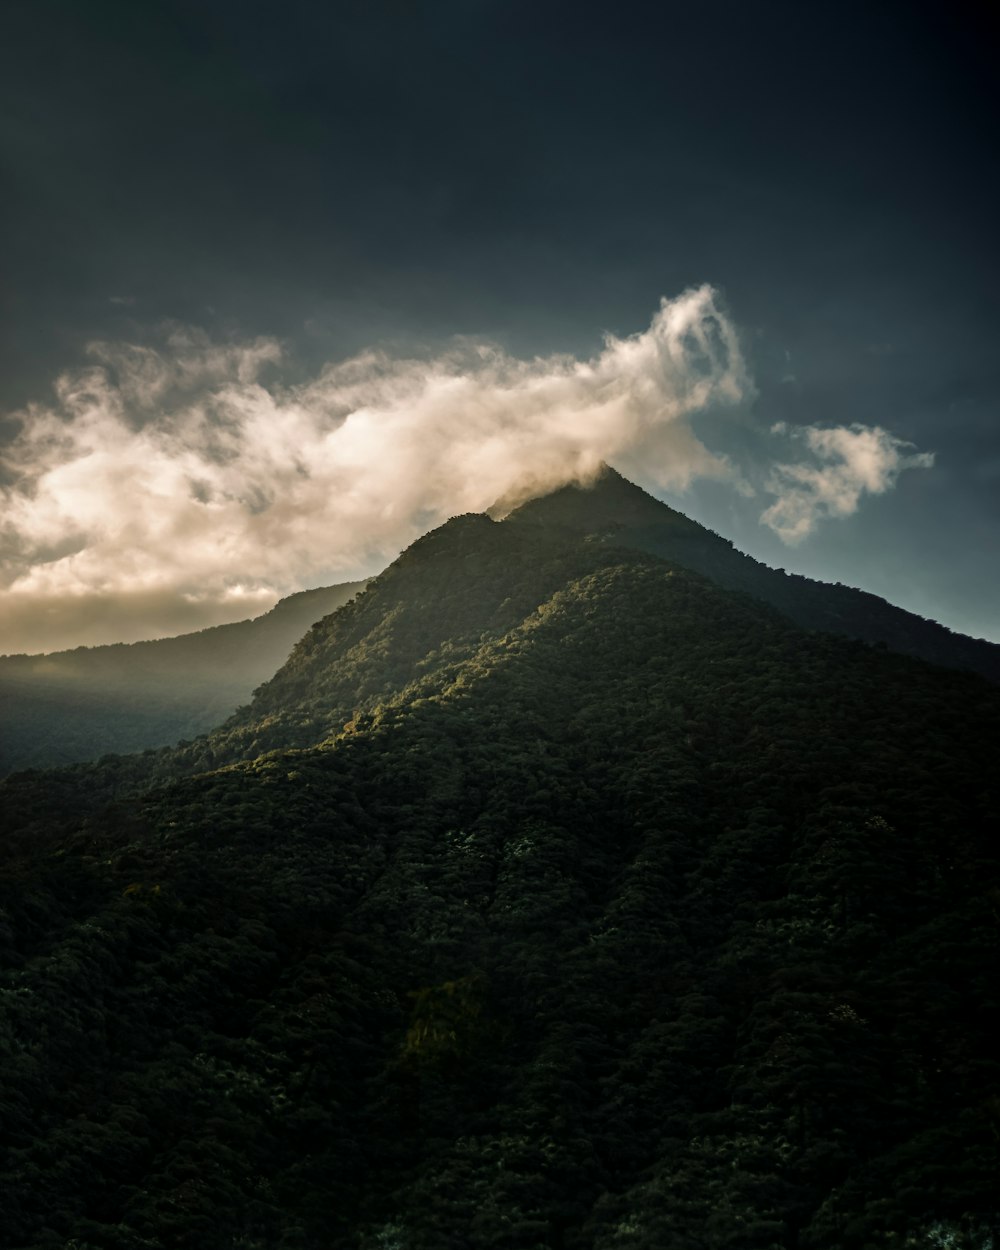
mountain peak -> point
(609, 501)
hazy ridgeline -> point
(82, 704)
(551, 896)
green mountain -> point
(551, 896)
(458, 586)
(81, 704)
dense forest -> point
(552, 896)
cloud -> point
(848, 462)
(187, 474)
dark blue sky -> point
(347, 174)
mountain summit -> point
(610, 501)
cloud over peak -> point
(183, 474)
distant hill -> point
(81, 704)
(551, 896)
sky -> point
(282, 286)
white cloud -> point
(848, 462)
(180, 475)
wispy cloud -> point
(846, 463)
(182, 476)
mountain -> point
(84, 703)
(455, 587)
(550, 895)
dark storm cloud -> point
(470, 163)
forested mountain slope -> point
(81, 704)
(557, 899)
